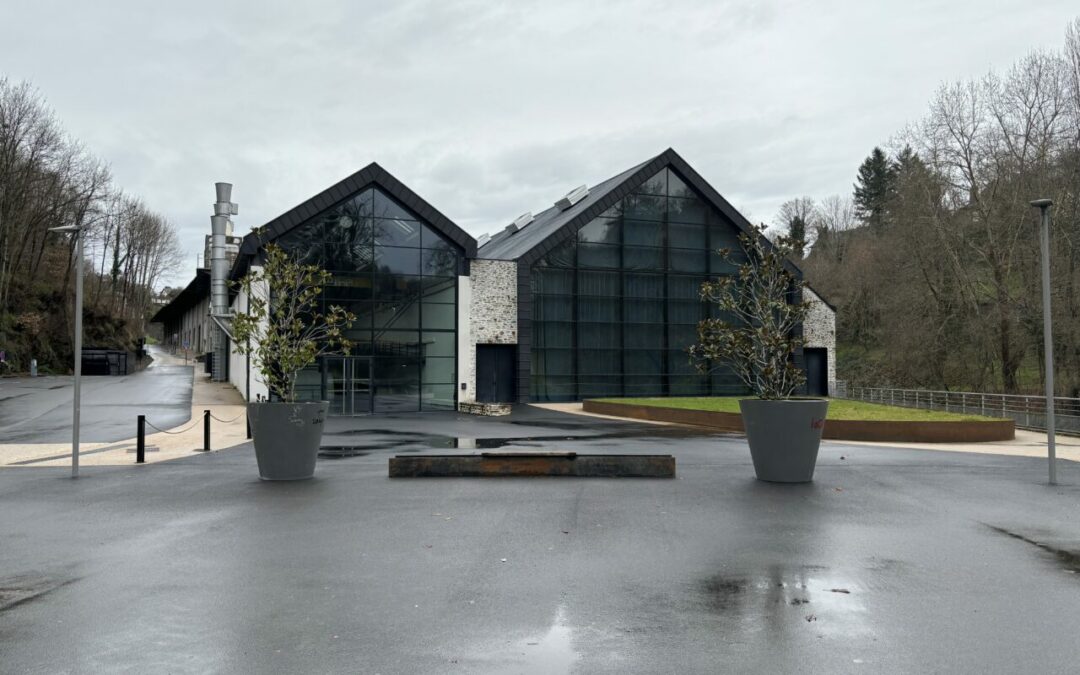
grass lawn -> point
(839, 409)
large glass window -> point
(616, 306)
(399, 276)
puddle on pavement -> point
(781, 598)
(1069, 560)
(341, 452)
(551, 653)
(402, 441)
(17, 591)
(540, 424)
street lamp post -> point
(1048, 338)
(77, 231)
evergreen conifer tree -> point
(794, 219)
(797, 233)
(874, 189)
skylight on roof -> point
(572, 197)
(524, 219)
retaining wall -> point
(846, 430)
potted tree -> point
(285, 330)
(756, 334)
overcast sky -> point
(489, 111)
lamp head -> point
(65, 228)
(1042, 203)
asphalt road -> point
(38, 410)
(892, 561)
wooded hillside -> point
(47, 179)
(934, 260)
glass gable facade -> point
(616, 306)
(398, 275)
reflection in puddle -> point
(342, 451)
(782, 598)
(387, 440)
(550, 653)
(1069, 560)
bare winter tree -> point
(832, 220)
(947, 294)
(795, 219)
(48, 180)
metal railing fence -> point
(1028, 412)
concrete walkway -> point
(175, 441)
(1026, 444)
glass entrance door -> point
(359, 385)
(348, 385)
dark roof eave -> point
(196, 290)
(612, 194)
(372, 174)
(822, 297)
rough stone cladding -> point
(819, 330)
(493, 316)
(485, 409)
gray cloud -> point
(491, 109)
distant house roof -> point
(554, 226)
(195, 292)
(370, 175)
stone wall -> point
(492, 316)
(819, 330)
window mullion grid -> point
(665, 376)
(622, 307)
(575, 318)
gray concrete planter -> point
(287, 437)
(784, 437)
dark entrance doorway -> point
(817, 371)
(348, 385)
(495, 373)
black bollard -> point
(140, 444)
(206, 430)
(247, 421)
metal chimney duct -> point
(224, 192)
(220, 227)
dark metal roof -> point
(372, 174)
(195, 292)
(512, 245)
(552, 227)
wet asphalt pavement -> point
(892, 561)
(38, 410)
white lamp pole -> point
(77, 231)
(1048, 338)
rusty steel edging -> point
(492, 465)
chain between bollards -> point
(142, 424)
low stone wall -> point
(846, 430)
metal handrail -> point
(1027, 411)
